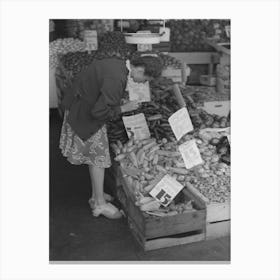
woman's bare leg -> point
(97, 183)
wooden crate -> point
(221, 108)
(159, 232)
(217, 215)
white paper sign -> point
(228, 137)
(190, 154)
(181, 123)
(90, 38)
(166, 190)
(136, 126)
(138, 91)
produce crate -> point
(177, 75)
(174, 74)
(159, 232)
(221, 108)
(208, 80)
(217, 215)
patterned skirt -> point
(94, 151)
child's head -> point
(145, 68)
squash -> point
(120, 157)
(151, 206)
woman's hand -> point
(130, 106)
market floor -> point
(75, 235)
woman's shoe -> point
(108, 210)
(107, 197)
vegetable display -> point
(163, 104)
(201, 119)
(110, 44)
(63, 46)
(145, 162)
(189, 35)
(169, 61)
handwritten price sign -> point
(190, 154)
(136, 126)
(181, 123)
(166, 190)
(90, 39)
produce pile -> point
(163, 104)
(200, 94)
(194, 98)
(144, 163)
(201, 119)
(113, 44)
(189, 35)
(110, 44)
(63, 46)
(75, 62)
(212, 178)
(75, 28)
(223, 149)
(169, 61)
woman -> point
(92, 100)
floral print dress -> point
(94, 151)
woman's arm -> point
(107, 106)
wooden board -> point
(130, 210)
(218, 212)
(163, 242)
(214, 211)
(185, 222)
(197, 57)
(158, 232)
(221, 108)
(217, 230)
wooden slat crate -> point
(159, 232)
(217, 215)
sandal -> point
(108, 210)
(107, 197)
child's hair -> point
(153, 65)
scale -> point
(145, 39)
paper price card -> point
(138, 91)
(180, 123)
(228, 138)
(136, 126)
(166, 190)
(190, 154)
(90, 38)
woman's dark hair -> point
(152, 65)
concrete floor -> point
(75, 235)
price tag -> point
(139, 91)
(136, 126)
(228, 138)
(181, 123)
(190, 154)
(166, 190)
(90, 39)
(227, 29)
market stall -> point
(172, 155)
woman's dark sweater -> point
(94, 97)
